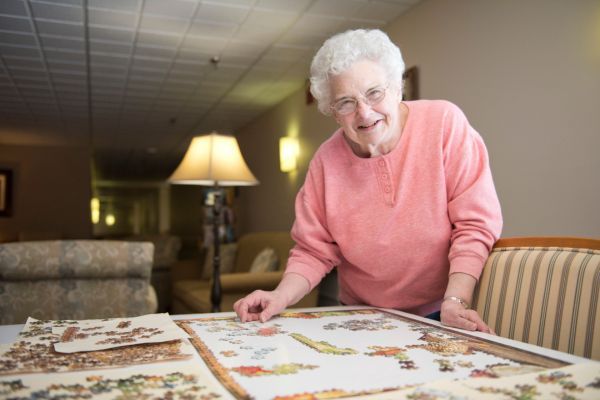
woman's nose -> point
(362, 108)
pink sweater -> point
(397, 225)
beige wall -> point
(270, 205)
(51, 191)
(526, 73)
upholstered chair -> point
(166, 253)
(256, 261)
(75, 279)
(544, 291)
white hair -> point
(340, 51)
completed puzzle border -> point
(476, 343)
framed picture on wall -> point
(5, 193)
(411, 84)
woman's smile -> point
(369, 126)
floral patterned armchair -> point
(75, 279)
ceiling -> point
(136, 79)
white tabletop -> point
(8, 333)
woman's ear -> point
(400, 90)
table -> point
(336, 352)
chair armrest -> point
(249, 281)
(151, 301)
(186, 270)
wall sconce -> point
(110, 219)
(95, 206)
(288, 153)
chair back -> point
(75, 279)
(544, 291)
(251, 244)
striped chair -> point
(544, 291)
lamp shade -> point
(211, 160)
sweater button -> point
(384, 176)
(382, 163)
(387, 189)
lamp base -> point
(215, 293)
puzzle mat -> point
(336, 354)
(33, 351)
(176, 380)
(102, 334)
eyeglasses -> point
(348, 105)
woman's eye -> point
(343, 104)
(375, 93)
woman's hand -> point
(260, 306)
(455, 315)
(455, 310)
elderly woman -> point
(400, 198)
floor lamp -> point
(214, 160)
